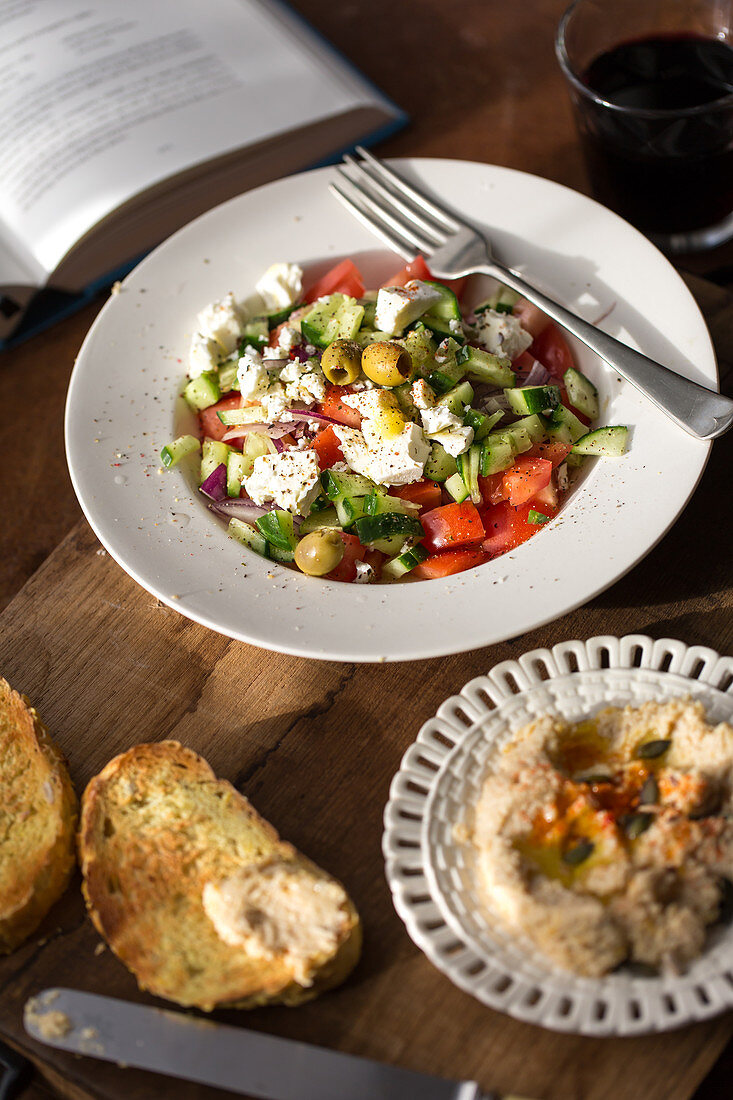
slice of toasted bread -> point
(195, 892)
(38, 813)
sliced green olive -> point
(319, 552)
(652, 749)
(578, 853)
(386, 363)
(341, 362)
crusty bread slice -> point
(160, 833)
(38, 814)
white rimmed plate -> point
(122, 401)
(432, 873)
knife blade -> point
(246, 1062)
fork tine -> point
(436, 233)
(441, 216)
(391, 217)
(396, 243)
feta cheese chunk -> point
(422, 394)
(218, 329)
(440, 424)
(397, 460)
(304, 382)
(501, 333)
(281, 286)
(291, 479)
(399, 306)
(252, 375)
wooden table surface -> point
(95, 652)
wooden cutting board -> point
(314, 745)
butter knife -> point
(245, 1062)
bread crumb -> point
(100, 948)
(50, 1025)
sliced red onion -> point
(537, 375)
(240, 508)
(497, 402)
(312, 414)
(279, 445)
(215, 485)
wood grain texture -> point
(314, 745)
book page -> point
(104, 98)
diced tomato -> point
(530, 317)
(376, 559)
(344, 278)
(448, 563)
(211, 425)
(545, 499)
(327, 447)
(526, 477)
(452, 526)
(492, 488)
(428, 494)
(523, 365)
(551, 348)
(353, 552)
(507, 527)
(553, 452)
(333, 406)
(418, 269)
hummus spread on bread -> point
(610, 840)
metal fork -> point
(410, 223)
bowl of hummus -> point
(559, 837)
(610, 840)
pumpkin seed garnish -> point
(652, 749)
(635, 824)
(649, 792)
(578, 853)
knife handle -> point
(15, 1072)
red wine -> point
(665, 172)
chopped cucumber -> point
(336, 317)
(440, 465)
(247, 414)
(609, 441)
(469, 467)
(497, 454)
(502, 300)
(280, 316)
(257, 444)
(178, 449)
(228, 377)
(277, 527)
(255, 334)
(456, 399)
(456, 486)
(563, 426)
(370, 528)
(534, 427)
(404, 397)
(397, 567)
(213, 454)
(379, 503)
(390, 545)
(446, 378)
(203, 391)
(340, 485)
(483, 366)
(447, 307)
(582, 394)
(533, 399)
(536, 517)
(480, 422)
(239, 466)
(421, 347)
(248, 536)
(326, 517)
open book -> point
(124, 119)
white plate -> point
(122, 397)
(433, 876)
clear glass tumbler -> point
(652, 86)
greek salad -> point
(379, 435)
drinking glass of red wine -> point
(652, 86)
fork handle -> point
(701, 412)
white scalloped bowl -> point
(433, 876)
